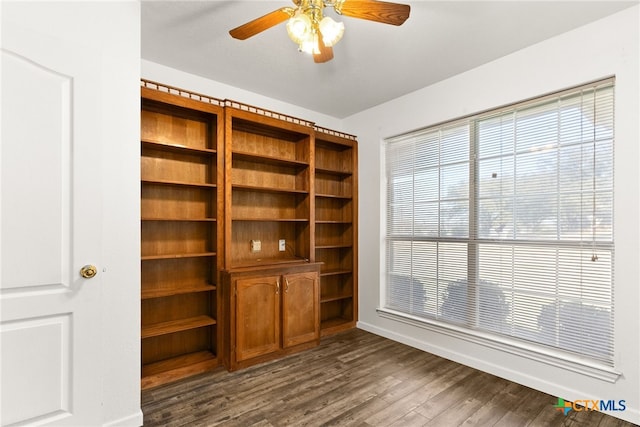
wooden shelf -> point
(272, 219)
(173, 326)
(176, 256)
(343, 245)
(337, 172)
(164, 371)
(165, 292)
(333, 222)
(159, 145)
(334, 196)
(243, 187)
(253, 157)
(177, 183)
(260, 263)
(335, 272)
(330, 298)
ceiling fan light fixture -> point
(299, 27)
(331, 31)
(316, 34)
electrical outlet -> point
(256, 246)
(282, 245)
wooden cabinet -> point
(257, 316)
(181, 185)
(270, 311)
(336, 202)
(300, 308)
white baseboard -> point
(133, 420)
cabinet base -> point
(169, 370)
(335, 325)
(234, 366)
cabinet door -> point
(300, 317)
(257, 316)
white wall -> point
(118, 23)
(604, 48)
(193, 83)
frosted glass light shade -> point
(310, 44)
(331, 31)
(299, 27)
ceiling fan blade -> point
(373, 10)
(326, 52)
(258, 25)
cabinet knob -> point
(88, 271)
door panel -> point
(50, 227)
(28, 364)
(301, 321)
(257, 316)
(37, 211)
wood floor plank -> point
(325, 379)
(525, 404)
(548, 418)
(495, 408)
(462, 401)
(417, 377)
(410, 420)
(432, 385)
(355, 392)
(451, 397)
(356, 379)
(356, 415)
(353, 384)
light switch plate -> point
(256, 246)
(282, 245)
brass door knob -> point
(88, 271)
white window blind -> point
(503, 222)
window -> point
(503, 222)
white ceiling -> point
(373, 63)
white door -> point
(51, 228)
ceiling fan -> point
(317, 34)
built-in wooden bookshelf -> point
(336, 228)
(240, 205)
(181, 186)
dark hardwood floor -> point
(357, 379)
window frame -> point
(554, 356)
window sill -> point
(538, 354)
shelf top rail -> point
(149, 84)
(267, 113)
(181, 92)
(335, 133)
